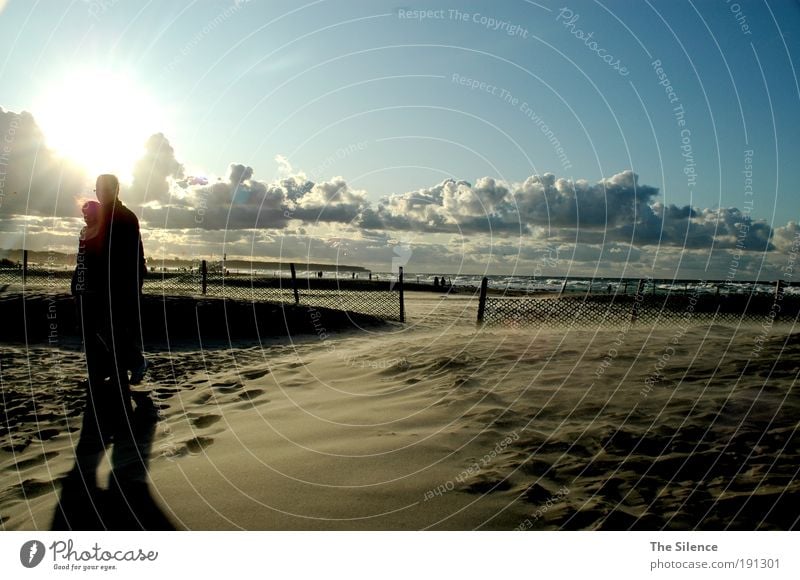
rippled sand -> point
(438, 424)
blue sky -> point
(371, 93)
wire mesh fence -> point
(382, 299)
(615, 311)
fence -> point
(618, 310)
(383, 299)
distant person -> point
(436, 281)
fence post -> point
(204, 276)
(482, 300)
(402, 301)
(635, 309)
(24, 265)
(778, 289)
(294, 283)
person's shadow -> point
(128, 503)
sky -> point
(610, 138)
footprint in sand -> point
(252, 398)
(197, 444)
(203, 398)
(34, 461)
(228, 385)
(28, 489)
(204, 421)
(251, 394)
(47, 434)
(16, 446)
(254, 374)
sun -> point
(99, 120)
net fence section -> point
(380, 299)
(619, 311)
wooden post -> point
(482, 300)
(626, 288)
(402, 302)
(204, 275)
(24, 265)
(294, 283)
(563, 287)
(778, 289)
(635, 309)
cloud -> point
(153, 172)
(35, 181)
(615, 209)
(454, 224)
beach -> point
(436, 424)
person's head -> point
(107, 188)
(91, 212)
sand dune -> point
(439, 425)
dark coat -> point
(123, 265)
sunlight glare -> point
(100, 120)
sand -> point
(434, 424)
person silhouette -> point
(110, 320)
